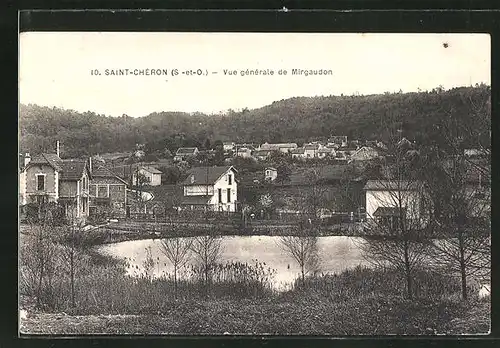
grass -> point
(277, 316)
(240, 300)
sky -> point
(55, 68)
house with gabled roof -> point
(211, 188)
(366, 153)
(151, 175)
(51, 179)
(184, 153)
(107, 190)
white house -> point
(270, 174)
(244, 152)
(388, 200)
(211, 188)
(311, 150)
(152, 176)
(228, 145)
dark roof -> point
(186, 150)
(195, 200)
(152, 170)
(50, 159)
(205, 175)
(72, 169)
(99, 170)
(389, 211)
(391, 185)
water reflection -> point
(336, 253)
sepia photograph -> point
(278, 184)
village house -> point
(151, 175)
(51, 179)
(324, 152)
(338, 141)
(298, 153)
(228, 145)
(262, 155)
(365, 153)
(311, 150)
(244, 152)
(387, 201)
(211, 188)
(107, 190)
(282, 147)
(183, 153)
(270, 174)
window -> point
(220, 195)
(228, 195)
(40, 182)
(229, 178)
(102, 191)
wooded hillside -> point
(296, 119)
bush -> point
(363, 282)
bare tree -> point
(462, 198)
(38, 256)
(302, 246)
(141, 181)
(177, 251)
(71, 246)
(207, 251)
(398, 211)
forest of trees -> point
(296, 119)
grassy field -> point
(237, 300)
(368, 316)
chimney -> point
(90, 165)
(27, 159)
(57, 148)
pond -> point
(336, 253)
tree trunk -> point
(206, 281)
(72, 270)
(463, 273)
(175, 281)
(40, 280)
(408, 271)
